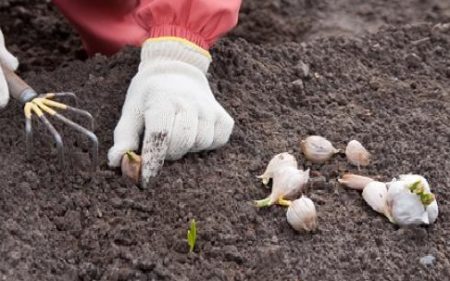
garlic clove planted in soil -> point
(131, 166)
(280, 160)
(375, 194)
(302, 215)
(317, 149)
(288, 183)
(355, 181)
(356, 154)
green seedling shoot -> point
(192, 235)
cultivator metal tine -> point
(59, 105)
(46, 106)
(61, 95)
(84, 131)
(57, 138)
(31, 107)
(29, 135)
(85, 114)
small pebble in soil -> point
(427, 260)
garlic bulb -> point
(317, 149)
(356, 154)
(410, 201)
(131, 166)
(375, 194)
(302, 215)
(288, 182)
(355, 181)
(278, 161)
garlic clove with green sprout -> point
(410, 201)
(288, 183)
(355, 181)
(375, 194)
(356, 154)
(279, 161)
(317, 149)
(301, 215)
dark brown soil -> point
(385, 86)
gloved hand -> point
(171, 95)
(9, 61)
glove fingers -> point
(184, 131)
(222, 129)
(5, 56)
(4, 93)
(127, 132)
(205, 133)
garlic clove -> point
(432, 212)
(356, 154)
(354, 181)
(317, 149)
(280, 160)
(302, 215)
(288, 183)
(131, 166)
(375, 194)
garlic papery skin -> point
(356, 154)
(279, 161)
(317, 149)
(375, 194)
(288, 183)
(355, 181)
(302, 215)
(407, 209)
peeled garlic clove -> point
(356, 154)
(278, 161)
(131, 166)
(317, 149)
(288, 182)
(432, 212)
(302, 215)
(355, 181)
(375, 194)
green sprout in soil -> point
(192, 235)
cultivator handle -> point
(18, 88)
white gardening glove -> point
(9, 61)
(170, 95)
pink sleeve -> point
(105, 26)
(199, 21)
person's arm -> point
(170, 95)
(105, 26)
